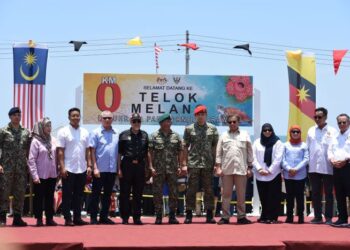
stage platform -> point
(195, 236)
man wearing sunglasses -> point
(200, 139)
(319, 138)
(234, 161)
(339, 156)
(132, 159)
(104, 152)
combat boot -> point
(2, 219)
(188, 219)
(172, 218)
(210, 218)
(159, 218)
(18, 222)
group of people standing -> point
(202, 153)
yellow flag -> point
(135, 41)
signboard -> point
(154, 95)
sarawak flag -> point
(302, 90)
(29, 81)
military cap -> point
(164, 117)
(14, 110)
(135, 116)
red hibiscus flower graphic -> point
(240, 87)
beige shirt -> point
(234, 152)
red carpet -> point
(194, 236)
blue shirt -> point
(296, 157)
(105, 143)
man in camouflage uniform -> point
(165, 152)
(200, 141)
(14, 145)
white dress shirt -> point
(275, 168)
(75, 142)
(339, 149)
(318, 141)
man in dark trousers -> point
(132, 159)
(339, 156)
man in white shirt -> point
(75, 164)
(234, 161)
(319, 138)
(339, 156)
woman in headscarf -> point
(295, 160)
(43, 168)
(268, 153)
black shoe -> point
(260, 220)
(243, 221)
(93, 221)
(301, 219)
(69, 223)
(289, 219)
(328, 221)
(80, 222)
(339, 223)
(188, 219)
(223, 221)
(210, 218)
(3, 219)
(39, 222)
(51, 223)
(125, 221)
(18, 222)
(316, 221)
(137, 221)
(172, 218)
(159, 218)
(106, 221)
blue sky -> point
(308, 24)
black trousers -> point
(132, 181)
(295, 191)
(270, 197)
(342, 190)
(106, 181)
(44, 198)
(320, 183)
(72, 194)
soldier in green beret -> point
(14, 146)
(165, 152)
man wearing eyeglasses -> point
(104, 152)
(339, 156)
(319, 138)
(132, 158)
(234, 161)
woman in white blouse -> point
(268, 153)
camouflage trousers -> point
(197, 176)
(12, 184)
(157, 187)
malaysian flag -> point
(29, 63)
(157, 51)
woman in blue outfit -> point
(295, 160)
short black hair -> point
(323, 110)
(238, 118)
(72, 110)
(343, 114)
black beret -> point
(14, 110)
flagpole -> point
(187, 53)
(155, 57)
